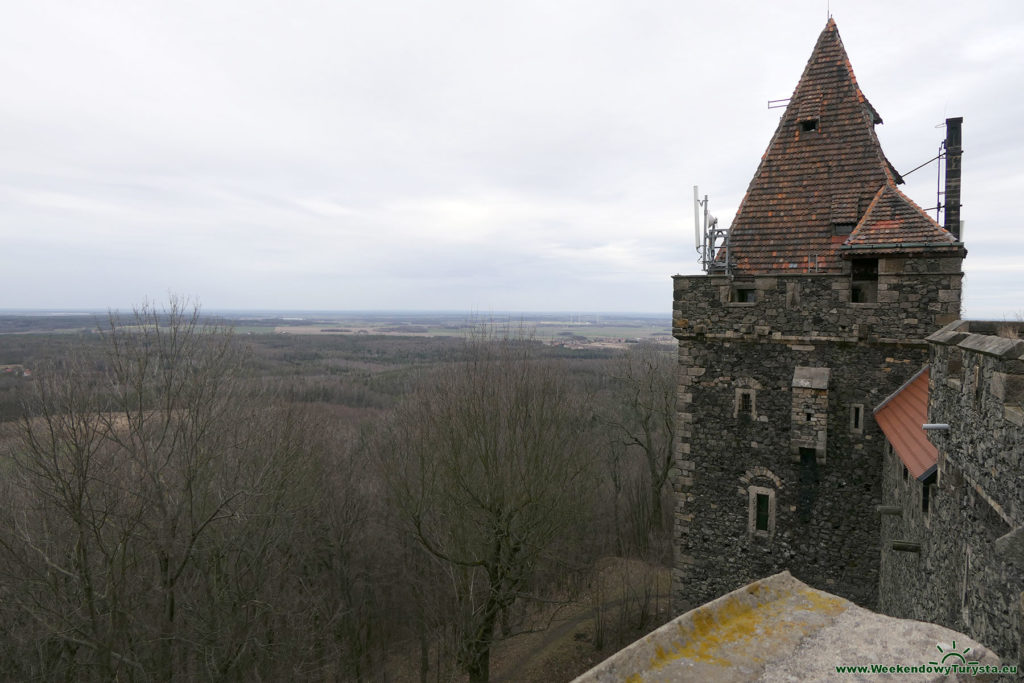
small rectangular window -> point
(906, 473)
(744, 295)
(864, 281)
(864, 293)
(857, 418)
(809, 125)
(762, 512)
(745, 406)
(927, 492)
(864, 269)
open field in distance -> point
(567, 329)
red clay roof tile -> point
(822, 170)
(900, 416)
(895, 224)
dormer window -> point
(844, 212)
(810, 110)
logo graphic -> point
(952, 656)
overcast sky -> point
(468, 156)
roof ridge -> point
(867, 212)
(830, 26)
(874, 118)
(925, 368)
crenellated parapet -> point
(977, 387)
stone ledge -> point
(776, 629)
(993, 345)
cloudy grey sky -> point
(459, 155)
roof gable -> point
(895, 224)
(822, 168)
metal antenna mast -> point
(709, 239)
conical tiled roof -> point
(822, 169)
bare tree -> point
(488, 464)
(642, 419)
(153, 502)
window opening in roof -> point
(809, 125)
(842, 228)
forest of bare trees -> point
(179, 508)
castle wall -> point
(775, 467)
(961, 576)
(915, 298)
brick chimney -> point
(952, 195)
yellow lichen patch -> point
(713, 632)
(728, 632)
(635, 678)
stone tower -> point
(816, 310)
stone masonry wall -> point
(915, 298)
(733, 453)
(961, 577)
(825, 529)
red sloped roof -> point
(895, 224)
(822, 167)
(900, 416)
